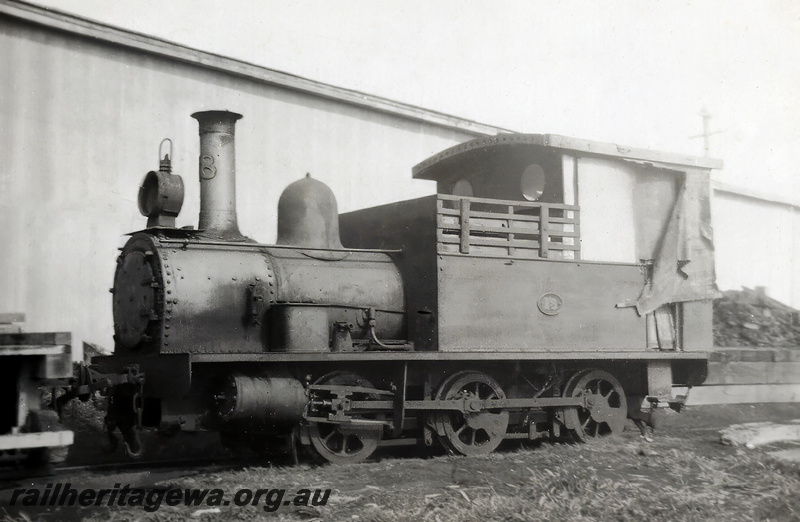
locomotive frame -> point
(459, 318)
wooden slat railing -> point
(481, 226)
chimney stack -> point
(218, 174)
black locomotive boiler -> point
(551, 287)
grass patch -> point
(615, 479)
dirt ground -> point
(685, 474)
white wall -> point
(757, 244)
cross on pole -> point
(706, 132)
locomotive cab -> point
(543, 244)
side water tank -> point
(308, 216)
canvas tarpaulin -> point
(683, 268)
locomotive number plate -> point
(549, 304)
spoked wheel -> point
(607, 407)
(340, 443)
(477, 432)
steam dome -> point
(308, 215)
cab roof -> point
(439, 165)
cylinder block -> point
(269, 400)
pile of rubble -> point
(750, 318)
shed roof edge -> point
(84, 27)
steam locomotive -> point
(551, 287)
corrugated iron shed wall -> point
(80, 124)
(757, 244)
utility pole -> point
(706, 132)
(706, 118)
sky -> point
(631, 72)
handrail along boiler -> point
(550, 287)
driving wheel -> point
(476, 431)
(606, 408)
(340, 443)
